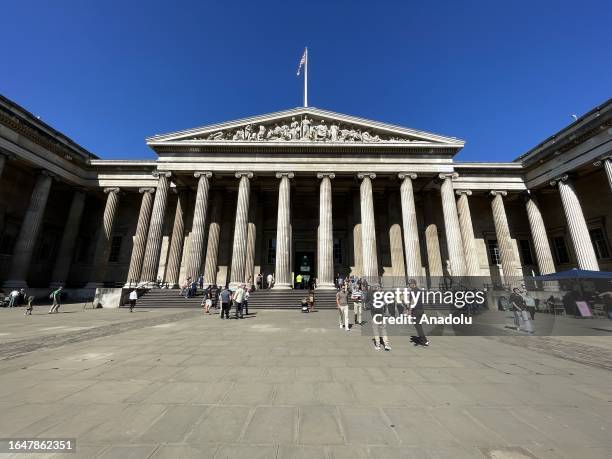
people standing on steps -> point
(133, 298)
(56, 296)
(343, 309)
(270, 280)
(259, 282)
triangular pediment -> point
(303, 126)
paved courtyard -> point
(281, 384)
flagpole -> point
(306, 80)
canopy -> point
(574, 274)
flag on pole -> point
(302, 62)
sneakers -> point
(387, 347)
(341, 326)
(376, 346)
(426, 343)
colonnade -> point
(144, 262)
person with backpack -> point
(56, 296)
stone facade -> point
(304, 189)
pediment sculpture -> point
(301, 129)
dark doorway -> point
(304, 265)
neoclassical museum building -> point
(304, 191)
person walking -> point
(238, 298)
(357, 297)
(56, 296)
(378, 313)
(133, 298)
(214, 296)
(417, 312)
(270, 280)
(343, 309)
(530, 304)
(259, 281)
(28, 311)
(225, 297)
(518, 304)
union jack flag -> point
(302, 62)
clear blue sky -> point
(501, 75)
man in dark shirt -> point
(417, 312)
(518, 304)
(226, 296)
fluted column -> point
(368, 229)
(396, 246)
(240, 228)
(100, 261)
(282, 275)
(510, 264)
(606, 162)
(357, 246)
(154, 238)
(451, 225)
(249, 263)
(543, 253)
(467, 233)
(576, 223)
(173, 268)
(325, 234)
(196, 238)
(140, 238)
(412, 246)
(61, 268)
(432, 240)
(212, 247)
(28, 233)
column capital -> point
(146, 190)
(199, 174)
(602, 160)
(404, 175)
(329, 175)
(289, 175)
(112, 190)
(562, 178)
(448, 175)
(498, 193)
(362, 175)
(158, 174)
(248, 175)
(465, 192)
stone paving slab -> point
(285, 384)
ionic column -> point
(240, 228)
(173, 268)
(154, 238)
(411, 231)
(325, 234)
(249, 263)
(212, 248)
(578, 229)
(28, 233)
(451, 225)
(61, 268)
(368, 229)
(432, 240)
(509, 262)
(140, 238)
(607, 164)
(543, 253)
(467, 233)
(282, 275)
(196, 238)
(103, 243)
(396, 246)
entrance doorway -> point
(304, 265)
